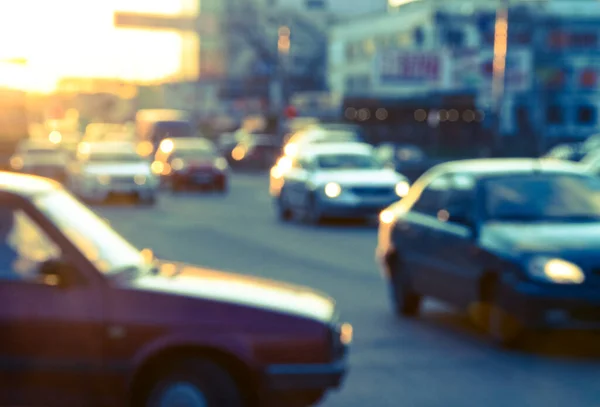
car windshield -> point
(335, 137)
(540, 197)
(41, 151)
(114, 158)
(347, 162)
(94, 237)
(192, 154)
(165, 130)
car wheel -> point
(195, 383)
(311, 214)
(405, 301)
(221, 187)
(284, 213)
(504, 329)
(148, 200)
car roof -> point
(337, 148)
(25, 185)
(502, 166)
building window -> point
(555, 114)
(315, 4)
(454, 38)
(586, 115)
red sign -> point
(410, 66)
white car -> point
(40, 157)
(112, 168)
(341, 180)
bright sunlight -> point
(75, 38)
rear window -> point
(194, 154)
(114, 158)
(163, 130)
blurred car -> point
(258, 152)
(334, 180)
(191, 162)
(514, 241)
(316, 135)
(105, 169)
(40, 157)
(151, 330)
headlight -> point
(140, 179)
(103, 179)
(178, 164)
(221, 164)
(290, 150)
(333, 190)
(402, 188)
(387, 216)
(555, 270)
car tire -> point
(222, 187)
(148, 200)
(284, 213)
(311, 215)
(504, 329)
(406, 302)
(193, 383)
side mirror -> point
(56, 273)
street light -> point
(14, 61)
(283, 44)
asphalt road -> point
(436, 360)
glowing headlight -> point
(333, 190)
(290, 149)
(556, 271)
(221, 164)
(402, 188)
(104, 179)
(140, 179)
(387, 217)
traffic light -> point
(283, 44)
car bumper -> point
(552, 306)
(200, 178)
(298, 377)
(354, 208)
(102, 192)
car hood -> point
(571, 239)
(360, 177)
(196, 282)
(116, 168)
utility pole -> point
(499, 70)
(283, 50)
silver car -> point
(104, 169)
(341, 180)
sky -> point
(75, 38)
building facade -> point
(550, 90)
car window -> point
(460, 200)
(432, 198)
(347, 162)
(24, 246)
(114, 157)
(93, 237)
(540, 197)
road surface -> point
(436, 360)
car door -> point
(416, 235)
(454, 240)
(50, 335)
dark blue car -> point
(516, 242)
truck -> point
(14, 124)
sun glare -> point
(75, 38)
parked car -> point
(183, 163)
(40, 157)
(334, 180)
(105, 169)
(513, 241)
(257, 152)
(96, 322)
